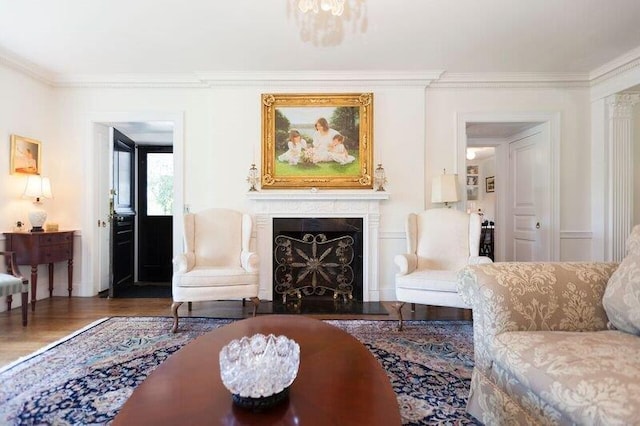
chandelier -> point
(336, 7)
(325, 22)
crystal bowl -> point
(258, 370)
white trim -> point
(576, 235)
(618, 65)
(511, 80)
(25, 67)
(298, 195)
(91, 194)
(52, 345)
(553, 120)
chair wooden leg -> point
(413, 307)
(25, 307)
(256, 303)
(243, 301)
(9, 301)
(174, 312)
(398, 307)
(189, 306)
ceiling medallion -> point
(324, 22)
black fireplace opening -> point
(317, 259)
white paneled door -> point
(527, 217)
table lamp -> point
(444, 189)
(37, 187)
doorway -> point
(96, 251)
(517, 180)
(146, 180)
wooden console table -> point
(35, 248)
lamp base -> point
(37, 217)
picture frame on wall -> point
(472, 193)
(317, 141)
(472, 170)
(472, 180)
(25, 155)
(490, 184)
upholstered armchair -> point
(12, 282)
(217, 263)
(440, 242)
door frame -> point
(91, 247)
(552, 150)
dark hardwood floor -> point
(57, 317)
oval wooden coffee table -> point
(339, 381)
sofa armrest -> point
(528, 296)
(406, 263)
(184, 262)
(250, 261)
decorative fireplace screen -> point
(319, 258)
(314, 264)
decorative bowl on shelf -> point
(258, 370)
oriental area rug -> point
(86, 377)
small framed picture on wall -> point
(472, 193)
(25, 155)
(490, 183)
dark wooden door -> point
(122, 213)
(155, 206)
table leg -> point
(70, 275)
(50, 280)
(34, 285)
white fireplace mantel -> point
(270, 204)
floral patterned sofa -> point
(545, 350)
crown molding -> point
(428, 78)
(129, 81)
(15, 62)
(511, 80)
(288, 78)
(243, 78)
(615, 67)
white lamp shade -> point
(38, 187)
(444, 189)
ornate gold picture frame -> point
(317, 141)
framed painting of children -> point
(317, 141)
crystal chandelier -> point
(325, 22)
(336, 7)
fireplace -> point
(307, 209)
(317, 258)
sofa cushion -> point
(621, 298)
(592, 377)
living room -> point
(433, 68)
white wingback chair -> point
(440, 242)
(217, 263)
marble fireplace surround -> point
(365, 204)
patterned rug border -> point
(56, 343)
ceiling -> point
(99, 37)
(147, 132)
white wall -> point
(414, 138)
(27, 108)
(573, 104)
